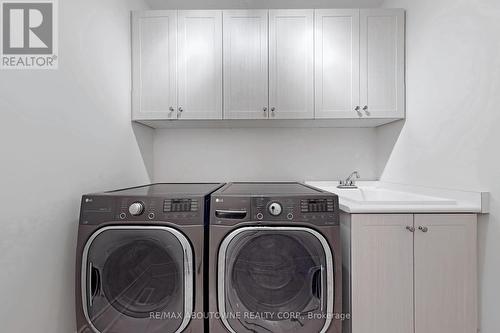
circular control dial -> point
(275, 209)
(136, 209)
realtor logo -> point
(29, 34)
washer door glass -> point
(274, 279)
(138, 279)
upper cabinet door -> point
(445, 273)
(245, 64)
(200, 64)
(382, 63)
(336, 63)
(154, 87)
(291, 77)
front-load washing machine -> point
(140, 259)
(275, 259)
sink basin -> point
(385, 197)
(382, 196)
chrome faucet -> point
(350, 181)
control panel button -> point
(136, 209)
(289, 216)
(151, 216)
(260, 216)
(275, 209)
(123, 216)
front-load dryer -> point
(275, 259)
(140, 259)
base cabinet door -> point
(445, 273)
(200, 64)
(382, 273)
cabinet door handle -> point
(365, 108)
(423, 229)
(358, 111)
(171, 109)
(264, 108)
(410, 228)
(180, 109)
(273, 109)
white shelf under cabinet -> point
(287, 123)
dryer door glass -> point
(138, 279)
(275, 279)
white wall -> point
(452, 132)
(63, 133)
(236, 4)
(271, 154)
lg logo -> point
(29, 29)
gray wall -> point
(451, 134)
(63, 133)
(263, 154)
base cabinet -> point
(445, 274)
(413, 273)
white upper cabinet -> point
(245, 64)
(382, 63)
(291, 77)
(445, 273)
(336, 63)
(200, 64)
(154, 64)
(276, 64)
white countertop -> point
(384, 197)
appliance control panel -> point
(101, 209)
(317, 205)
(180, 205)
(177, 210)
(321, 210)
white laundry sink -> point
(372, 195)
(384, 197)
